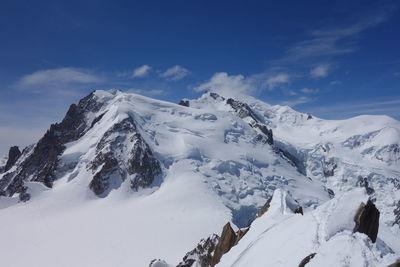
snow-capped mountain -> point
(124, 179)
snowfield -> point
(215, 167)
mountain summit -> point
(124, 179)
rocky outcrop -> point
(114, 161)
(363, 182)
(307, 260)
(209, 251)
(225, 243)
(13, 156)
(159, 263)
(202, 254)
(329, 168)
(396, 212)
(396, 264)
(264, 208)
(184, 102)
(42, 160)
(367, 220)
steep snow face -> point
(282, 238)
(133, 179)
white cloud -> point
(175, 73)
(141, 71)
(60, 75)
(320, 71)
(298, 101)
(227, 85)
(277, 80)
(309, 91)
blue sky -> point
(335, 59)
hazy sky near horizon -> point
(334, 59)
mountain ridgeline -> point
(136, 173)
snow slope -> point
(282, 238)
(214, 169)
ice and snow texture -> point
(214, 171)
(282, 238)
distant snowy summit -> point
(201, 164)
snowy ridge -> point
(124, 163)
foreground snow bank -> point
(283, 238)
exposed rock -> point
(299, 210)
(159, 263)
(41, 162)
(143, 164)
(396, 264)
(242, 109)
(225, 243)
(307, 259)
(367, 220)
(216, 96)
(363, 182)
(330, 192)
(113, 157)
(264, 208)
(396, 212)
(13, 156)
(240, 233)
(24, 195)
(309, 116)
(202, 254)
(184, 102)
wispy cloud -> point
(227, 85)
(277, 80)
(141, 71)
(297, 101)
(306, 90)
(331, 42)
(175, 73)
(53, 79)
(320, 71)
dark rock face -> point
(184, 102)
(203, 253)
(242, 109)
(225, 243)
(367, 220)
(264, 208)
(396, 212)
(209, 251)
(111, 153)
(307, 259)
(299, 210)
(13, 156)
(41, 161)
(396, 264)
(363, 182)
(309, 117)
